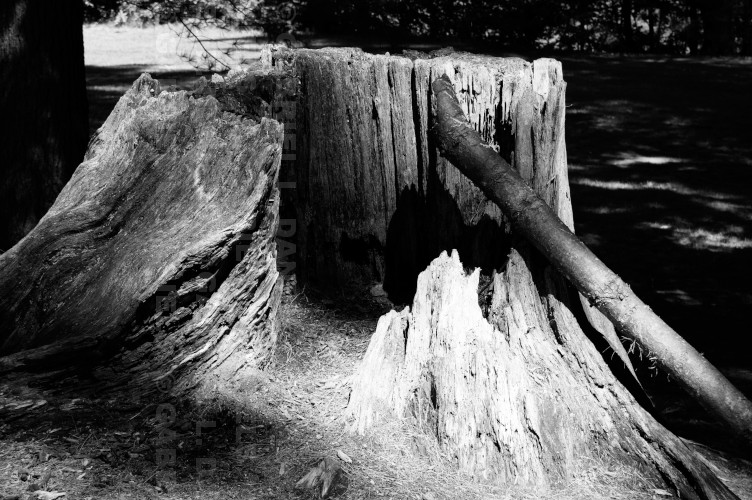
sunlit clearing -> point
(678, 297)
(702, 239)
(657, 186)
(709, 240)
(649, 160)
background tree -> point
(718, 26)
(43, 98)
(746, 23)
(668, 26)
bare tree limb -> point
(190, 31)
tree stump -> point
(159, 254)
(519, 395)
(374, 202)
(495, 365)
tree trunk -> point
(43, 98)
(374, 203)
(718, 27)
(694, 27)
(747, 28)
(627, 37)
(159, 254)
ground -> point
(661, 174)
(256, 440)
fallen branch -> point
(531, 217)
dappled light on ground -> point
(661, 176)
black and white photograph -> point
(375, 249)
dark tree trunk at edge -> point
(43, 98)
(158, 259)
(718, 27)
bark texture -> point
(531, 216)
(508, 381)
(43, 98)
(520, 396)
(374, 202)
(160, 251)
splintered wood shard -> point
(521, 396)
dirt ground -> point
(257, 440)
(661, 174)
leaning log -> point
(159, 254)
(518, 395)
(531, 217)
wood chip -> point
(342, 456)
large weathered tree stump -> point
(507, 382)
(374, 202)
(159, 254)
(518, 395)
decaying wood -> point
(159, 254)
(531, 217)
(512, 388)
(374, 201)
(520, 396)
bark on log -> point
(159, 254)
(520, 396)
(531, 217)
